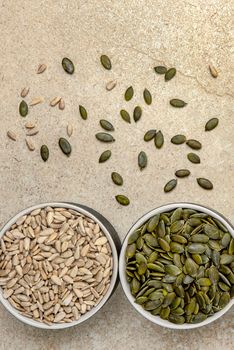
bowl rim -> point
(114, 276)
(125, 285)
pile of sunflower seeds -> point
(55, 265)
(180, 266)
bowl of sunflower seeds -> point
(176, 265)
(58, 264)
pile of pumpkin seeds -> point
(180, 265)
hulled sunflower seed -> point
(24, 92)
(69, 130)
(36, 101)
(137, 113)
(30, 145)
(41, 68)
(61, 104)
(55, 101)
(111, 85)
(29, 125)
(106, 62)
(147, 97)
(83, 112)
(32, 132)
(104, 156)
(211, 124)
(170, 73)
(175, 102)
(129, 93)
(68, 65)
(11, 135)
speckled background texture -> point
(137, 35)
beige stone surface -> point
(137, 35)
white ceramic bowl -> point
(107, 229)
(122, 266)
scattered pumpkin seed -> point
(205, 183)
(193, 158)
(170, 73)
(211, 124)
(104, 137)
(106, 62)
(23, 108)
(65, 146)
(194, 144)
(178, 139)
(106, 125)
(104, 156)
(147, 97)
(175, 102)
(159, 139)
(129, 93)
(44, 153)
(121, 199)
(117, 178)
(182, 173)
(137, 113)
(125, 116)
(170, 185)
(68, 65)
(149, 135)
(142, 160)
(160, 69)
(83, 112)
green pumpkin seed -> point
(170, 185)
(123, 200)
(23, 108)
(220, 225)
(226, 259)
(140, 258)
(134, 236)
(68, 65)
(231, 247)
(44, 153)
(205, 183)
(164, 244)
(176, 248)
(117, 178)
(104, 156)
(106, 125)
(175, 102)
(150, 240)
(197, 258)
(129, 93)
(177, 319)
(141, 300)
(178, 139)
(172, 270)
(194, 222)
(142, 268)
(83, 112)
(182, 173)
(152, 304)
(135, 286)
(160, 69)
(153, 223)
(170, 74)
(224, 299)
(188, 279)
(159, 139)
(226, 240)
(204, 282)
(161, 229)
(155, 267)
(211, 231)
(104, 137)
(147, 97)
(164, 313)
(125, 116)
(153, 256)
(199, 238)
(200, 317)
(137, 113)
(177, 226)
(65, 146)
(211, 124)
(142, 160)
(193, 158)
(149, 135)
(194, 144)
(106, 62)
(130, 250)
(191, 267)
(196, 248)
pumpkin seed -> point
(177, 319)
(134, 236)
(129, 93)
(149, 135)
(104, 137)
(226, 259)
(193, 158)
(211, 231)
(170, 74)
(153, 223)
(44, 152)
(137, 113)
(159, 139)
(172, 270)
(23, 108)
(211, 124)
(142, 160)
(170, 185)
(152, 304)
(65, 146)
(106, 125)
(105, 61)
(121, 199)
(175, 102)
(194, 144)
(147, 97)
(160, 69)
(125, 115)
(83, 112)
(105, 156)
(182, 173)
(117, 178)
(141, 300)
(68, 65)
(205, 183)
(196, 248)
(178, 139)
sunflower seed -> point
(68, 65)
(41, 68)
(104, 137)
(11, 135)
(205, 183)
(129, 93)
(35, 101)
(32, 132)
(213, 71)
(29, 125)
(111, 85)
(175, 102)
(44, 151)
(69, 130)
(160, 69)
(178, 139)
(55, 101)
(30, 145)
(24, 92)
(211, 124)
(65, 146)
(193, 158)
(170, 185)
(125, 116)
(104, 156)
(147, 97)
(170, 73)
(182, 173)
(106, 125)
(121, 199)
(142, 160)
(23, 108)
(61, 104)
(159, 139)
(106, 62)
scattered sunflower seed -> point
(211, 124)
(194, 144)
(32, 132)
(147, 97)
(170, 73)
(36, 101)
(178, 139)
(193, 158)
(123, 200)
(137, 113)
(69, 130)
(83, 112)
(117, 178)
(30, 145)
(205, 183)
(44, 151)
(61, 104)
(142, 160)
(29, 125)
(213, 71)
(41, 68)
(106, 62)
(111, 85)
(149, 135)
(11, 135)
(182, 173)
(129, 93)
(65, 146)
(106, 125)
(104, 137)
(55, 101)
(23, 108)
(125, 116)
(68, 65)
(159, 139)
(175, 102)
(170, 185)
(24, 92)
(104, 156)
(160, 69)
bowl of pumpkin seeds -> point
(176, 265)
(58, 264)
